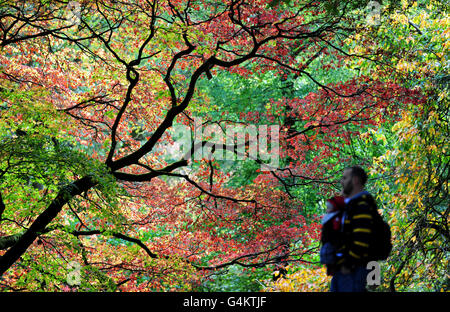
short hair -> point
(359, 172)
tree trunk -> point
(41, 222)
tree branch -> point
(41, 222)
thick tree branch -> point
(41, 222)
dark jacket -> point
(354, 247)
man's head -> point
(353, 180)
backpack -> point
(330, 236)
(381, 237)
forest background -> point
(95, 195)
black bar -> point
(229, 301)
